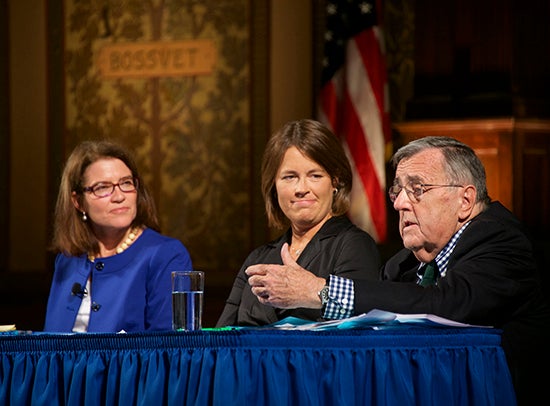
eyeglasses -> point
(104, 189)
(414, 190)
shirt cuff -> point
(341, 297)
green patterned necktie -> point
(430, 273)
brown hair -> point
(72, 235)
(319, 144)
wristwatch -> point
(323, 295)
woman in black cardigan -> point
(306, 185)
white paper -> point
(376, 319)
(7, 327)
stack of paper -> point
(375, 319)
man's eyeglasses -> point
(414, 190)
(104, 189)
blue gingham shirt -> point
(442, 259)
(342, 294)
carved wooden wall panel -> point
(171, 80)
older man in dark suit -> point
(465, 258)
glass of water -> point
(187, 300)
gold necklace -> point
(128, 241)
(123, 246)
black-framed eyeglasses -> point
(104, 189)
(414, 190)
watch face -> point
(323, 294)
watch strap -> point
(323, 295)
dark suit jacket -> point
(491, 279)
(338, 248)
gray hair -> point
(461, 164)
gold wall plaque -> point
(157, 59)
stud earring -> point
(84, 217)
(335, 190)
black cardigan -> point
(338, 248)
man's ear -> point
(468, 201)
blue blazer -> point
(130, 291)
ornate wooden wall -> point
(192, 132)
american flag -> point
(354, 104)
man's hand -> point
(286, 286)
